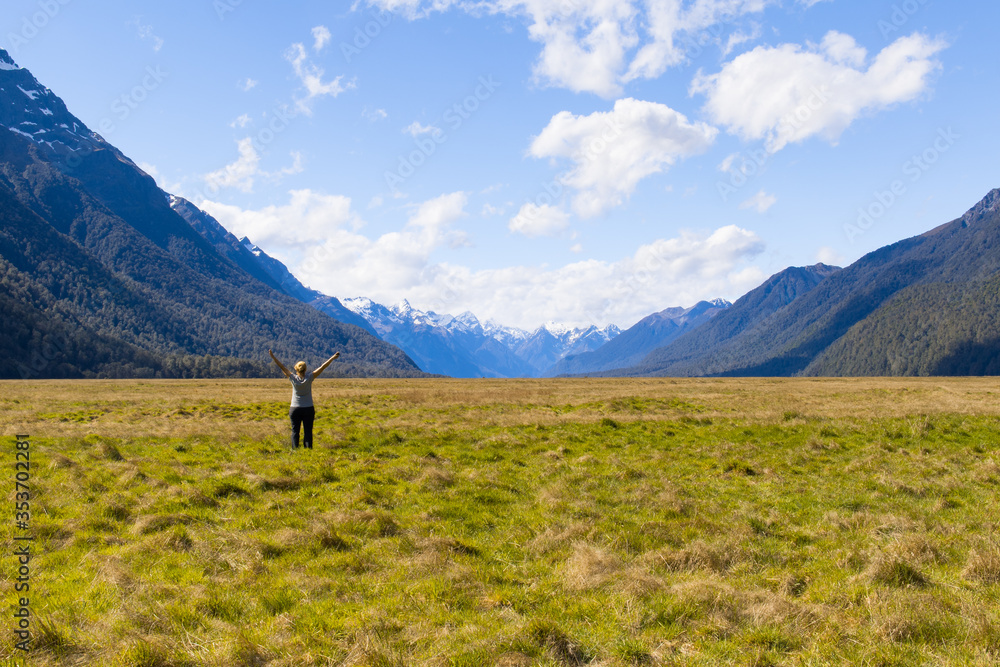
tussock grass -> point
(983, 563)
(603, 523)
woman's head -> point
(300, 367)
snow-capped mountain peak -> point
(32, 111)
(467, 321)
(6, 62)
(363, 306)
(510, 336)
(557, 330)
(464, 346)
(249, 245)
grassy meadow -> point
(535, 522)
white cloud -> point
(677, 31)
(295, 168)
(321, 37)
(739, 38)
(288, 231)
(311, 77)
(666, 272)
(239, 174)
(320, 238)
(828, 255)
(788, 93)
(415, 129)
(374, 116)
(248, 84)
(534, 220)
(242, 173)
(584, 45)
(145, 33)
(597, 46)
(760, 202)
(241, 122)
(727, 162)
(843, 49)
(612, 151)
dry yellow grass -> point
(185, 408)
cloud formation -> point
(612, 151)
(760, 202)
(789, 93)
(242, 173)
(321, 37)
(311, 76)
(597, 46)
(535, 220)
(145, 33)
(321, 239)
(415, 129)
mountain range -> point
(103, 274)
(463, 346)
(927, 305)
(638, 341)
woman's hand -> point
(325, 364)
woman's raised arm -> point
(325, 364)
(280, 365)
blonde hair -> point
(300, 367)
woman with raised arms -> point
(301, 412)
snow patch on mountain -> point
(32, 94)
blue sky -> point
(577, 161)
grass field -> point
(549, 522)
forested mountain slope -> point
(92, 254)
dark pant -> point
(302, 417)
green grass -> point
(617, 537)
